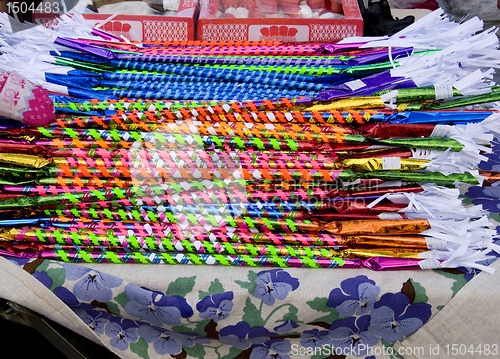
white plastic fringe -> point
(465, 56)
(459, 235)
(474, 137)
(434, 202)
(467, 244)
(492, 122)
(27, 51)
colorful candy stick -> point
(209, 84)
(283, 140)
(184, 246)
(161, 175)
(176, 245)
(91, 229)
(154, 120)
(195, 94)
(295, 50)
(197, 43)
(207, 72)
(140, 105)
(201, 259)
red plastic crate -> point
(279, 29)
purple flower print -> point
(164, 341)
(272, 349)
(155, 307)
(286, 327)
(356, 296)
(91, 284)
(216, 307)
(488, 197)
(95, 319)
(274, 284)
(351, 336)
(315, 338)
(121, 333)
(393, 318)
(241, 336)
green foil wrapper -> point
(465, 101)
(425, 177)
(416, 94)
(434, 143)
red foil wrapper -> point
(397, 130)
(377, 191)
(21, 147)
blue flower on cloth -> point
(121, 333)
(190, 339)
(315, 338)
(164, 341)
(272, 349)
(95, 319)
(351, 336)
(393, 318)
(488, 197)
(356, 296)
(216, 306)
(155, 307)
(92, 284)
(43, 278)
(274, 284)
(493, 162)
(241, 336)
(236, 335)
(286, 327)
(71, 300)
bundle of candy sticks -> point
(263, 154)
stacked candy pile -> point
(348, 155)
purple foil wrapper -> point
(75, 45)
(379, 56)
(105, 35)
(330, 49)
(394, 86)
(386, 263)
(268, 61)
(370, 82)
(305, 101)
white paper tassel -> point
(436, 202)
(492, 123)
(465, 58)
(448, 162)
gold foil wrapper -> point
(381, 252)
(382, 164)
(416, 242)
(11, 234)
(23, 160)
(348, 103)
(382, 226)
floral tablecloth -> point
(224, 312)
